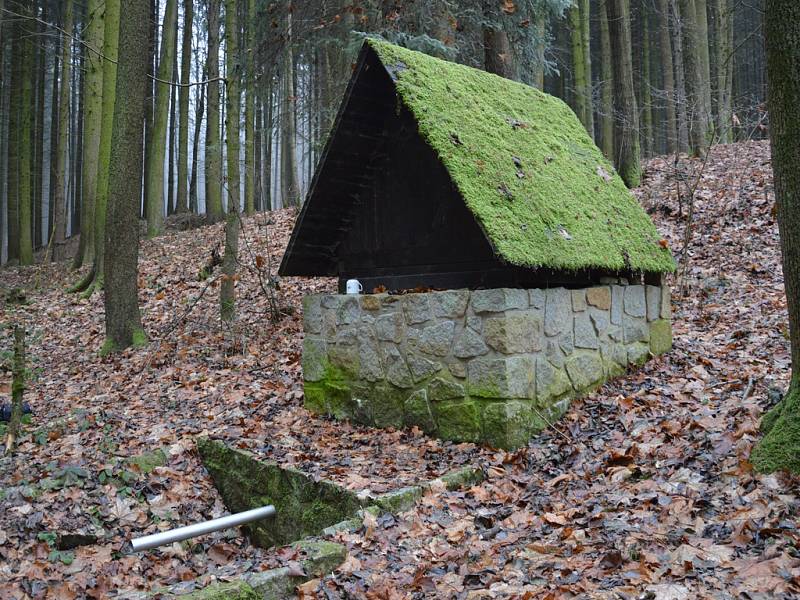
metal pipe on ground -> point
(149, 542)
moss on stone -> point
(458, 420)
(304, 507)
(235, 590)
(462, 477)
(399, 500)
(527, 169)
(507, 423)
(660, 336)
(322, 556)
(779, 449)
(148, 461)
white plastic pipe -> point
(149, 542)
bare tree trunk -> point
(290, 186)
(249, 112)
(122, 316)
(63, 135)
(14, 116)
(607, 87)
(155, 166)
(681, 100)
(213, 162)
(25, 149)
(780, 448)
(183, 96)
(93, 107)
(695, 84)
(667, 69)
(198, 122)
(227, 293)
(626, 134)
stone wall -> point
(490, 366)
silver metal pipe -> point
(184, 533)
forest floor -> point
(644, 491)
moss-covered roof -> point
(530, 174)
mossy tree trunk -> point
(60, 208)
(626, 123)
(645, 81)
(12, 160)
(780, 447)
(227, 294)
(93, 107)
(123, 320)
(183, 101)
(110, 47)
(213, 162)
(155, 164)
(578, 61)
(25, 145)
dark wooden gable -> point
(383, 209)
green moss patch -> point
(304, 507)
(530, 174)
(779, 450)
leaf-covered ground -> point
(644, 491)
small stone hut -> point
(531, 273)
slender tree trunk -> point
(268, 132)
(647, 101)
(227, 295)
(626, 134)
(695, 85)
(54, 133)
(586, 35)
(183, 96)
(257, 158)
(723, 26)
(152, 67)
(110, 48)
(14, 123)
(665, 50)
(290, 195)
(173, 129)
(155, 165)
(213, 160)
(705, 58)
(681, 99)
(38, 161)
(249, 113)
(780, 448)
(93, 107)
(25, 147)
(578, 62)
(123, 320)
(198, 122)
(63, 136)
(540, 23)
(607, 87)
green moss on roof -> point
(540, 189)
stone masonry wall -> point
(491, 366)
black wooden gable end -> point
(383, 209)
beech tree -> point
(780, 447)
(123, 320)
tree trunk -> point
(198, 121)
(647, 104)
(498, 56)
(695, 85)
(606, 87)
(60, 209)
(681, 101)
(183, 97)
(213, 162)
(540, 22)
(665, 50)
(626, 133)
(93, 107)
(25, 147)
(586, 35)
(149, 102)
(268, 129)
(14, 116)
(578, 62)
(155, 164)
(110, 47)
(123, 320)
(780, 448)
(173, 129)
(227, 293)
(723, 61)
(249, 113)
(705, 59)
(290, 194)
